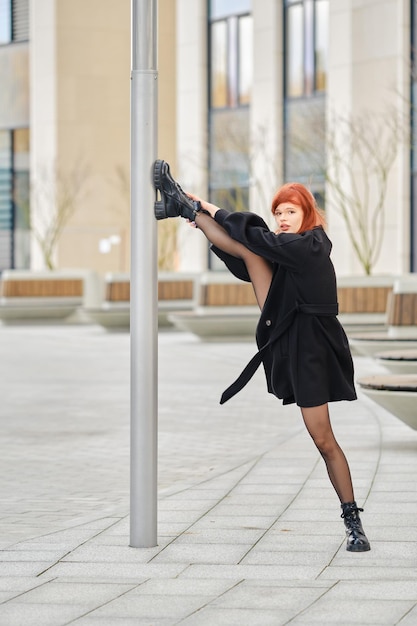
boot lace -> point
(353, 519)
(351, 512)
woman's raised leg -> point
(259, 270)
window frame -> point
(232, 64)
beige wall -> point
(93, 80)
(369, 73)
(81, 121)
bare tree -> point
(55, 194)
(360, 153)
(362, 157)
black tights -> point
(259, 270)
(316, 419)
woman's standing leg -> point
(317, 421)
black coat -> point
(303, 347)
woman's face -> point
(289, 217)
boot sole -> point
(159, 205)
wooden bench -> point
(45, 295)
(226, 309)
(395, 393)
(372, 300)
(179, 289)
(228, 294)
(401, 327)
(176, 292)
(402, 309)
(363, 300)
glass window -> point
(321, 22)
(295, 51)
(219, 97)
(305, 140)
(224, 8)
(306, 35)
(245, 59)
(20, 20)
(5, 21)
(6, 205)
(231, 45)
(14, 21)
(14, 199)
(229, 158)
(14, 85)
(21, 248)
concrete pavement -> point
(249, 530)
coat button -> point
(268, 322)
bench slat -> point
(38, 288)
(227, 294)
(363, 299)
(402, 309)
(119, 291)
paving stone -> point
(410, 618)
(220, 535)
(15, 613)
(237, 617)
(198, 553)
(75, 593)
(118, 570)
(249, 528)
(378, 590)
(90, 620)
(32, 555)
(255, 572)
(362, 572)
(153, 606)
(185, 586)
(258, 596)
(327, 611)
(110, 554)
(268, 557)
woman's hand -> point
(211, 208)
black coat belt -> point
(329, 310)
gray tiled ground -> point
(249, 530)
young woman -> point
(302, 346)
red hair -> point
(298, 194)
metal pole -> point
(143, 279)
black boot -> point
(356, 538)
(174, 201)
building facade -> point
(252, 93)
